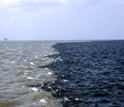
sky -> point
(61, 19)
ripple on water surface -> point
(89, 74)
(80, 74)
(19, 70)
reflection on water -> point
(20, 68)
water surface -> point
(19, 69)
(62, 74)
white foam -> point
(65, 80)
(77, 99)
(66, 99)
(31, 63)
(50, 73)
(34, 89)
(12, 62)
(43, 101)
(30, 78)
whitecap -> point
(66, 99)
(50, 73)
(43, 101)
(31, 63)
(34, 89)
(30, 78)
(12, 62)
(65, 80)
(77, 99)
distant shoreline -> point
(60, 40)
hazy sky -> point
(61, 19)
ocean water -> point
(62, 74)
(19, 68)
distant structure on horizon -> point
(5, 39)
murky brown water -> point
(19, 63)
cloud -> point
(8, 3)
(41, 3)
(42, 6)
(45, 6)
(66, 18)
(121, 2)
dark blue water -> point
(89, 74)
